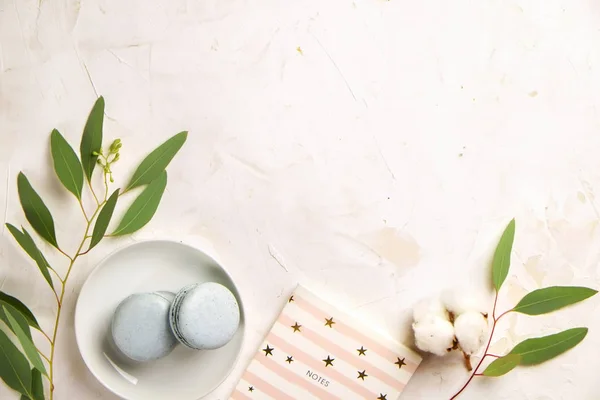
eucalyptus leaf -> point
(143, 207)
(26, 242)
(22, 308)
(156, 162)
(36, 211)
(104, 219)
(14, 367)
(552, 298)
(537, 350)
(17, 316)
(502, 365)
(37, 386)
(26, 343)
(501, 260)
(91, 140)
(66, 164)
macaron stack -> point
(148, 326)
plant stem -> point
(106, 186)
(83, 211)
(93, 193)
(46, 335)
(63, 253)
(62, 293)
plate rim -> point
(202, 249)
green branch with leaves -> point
(542, 301)
(24, 369)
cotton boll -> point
(471, 330)
(459, 301)
(429, 307)
(434, 334)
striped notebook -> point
(315, 351)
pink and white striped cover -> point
(315, 351)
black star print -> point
(251, 389)
(268, 351)
(291, 299)
(362, 375)
(382, 396)
(361, 351)
(400, 362)
(289, 359)
(329, 322)
(297, 327)
(328, 361)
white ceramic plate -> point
(185, 374)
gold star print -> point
(328, 361)
(289, 359)
(362, 375)
(251, 389)
(291, 299)
(296, 327)
(400, 362)
(361, 351)
(329, 322)
(382, 396)
(268, 351)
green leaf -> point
(501, 261)
(552, 298)
(18, 317)
(36, 211)
(502, 365)
(37, 386)
(143, 207)
(104, 219)
(537, 350)
(26, 242)
(66, 164)
(14, 367)
(22, 308)
(91, 139)
(156, 162)
(26, 343)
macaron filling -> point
(174, 315)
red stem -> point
(487, 347)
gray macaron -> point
(204, 316)
(140, 326)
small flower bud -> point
(95, 153)
(117, 156)
(115, 146)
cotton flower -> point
(429, 307)
(459, 301)
(434, 334)
(471, 329)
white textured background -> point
(375, 148)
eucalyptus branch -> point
(541, 301)
(73, 172)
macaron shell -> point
(205, 316)
(140, 327)
(174, 313)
